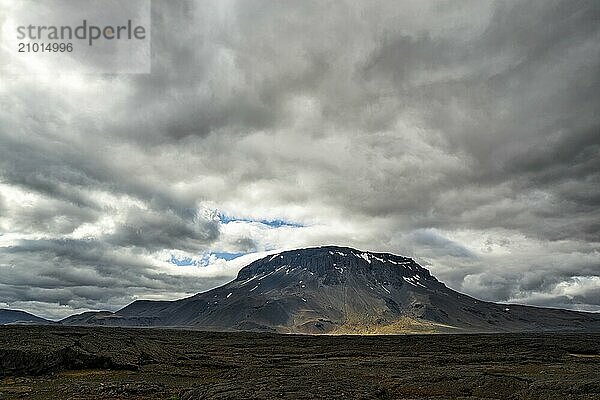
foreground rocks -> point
(117, 363)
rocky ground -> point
(115, 363)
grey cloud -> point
(164, 230)
(53, 217)
(87, 275)
(2, 206)
(245, 245)
(428, 239)
(567, 279)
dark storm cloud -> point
(164, 230)
(527, 117)
(464, 133)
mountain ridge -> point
(338, 290)
(18, 317)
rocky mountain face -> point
(339, 290)
(16, 317)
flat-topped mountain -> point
(339, 290)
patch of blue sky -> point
(227, 256)
(204, 260)
(183, 262)
(273, 223)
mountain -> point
(339, 290)
(20, 317)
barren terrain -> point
(42, 362)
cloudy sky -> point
(465, 134)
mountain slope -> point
(20, 317)
(340, 290)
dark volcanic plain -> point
(54, 362)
